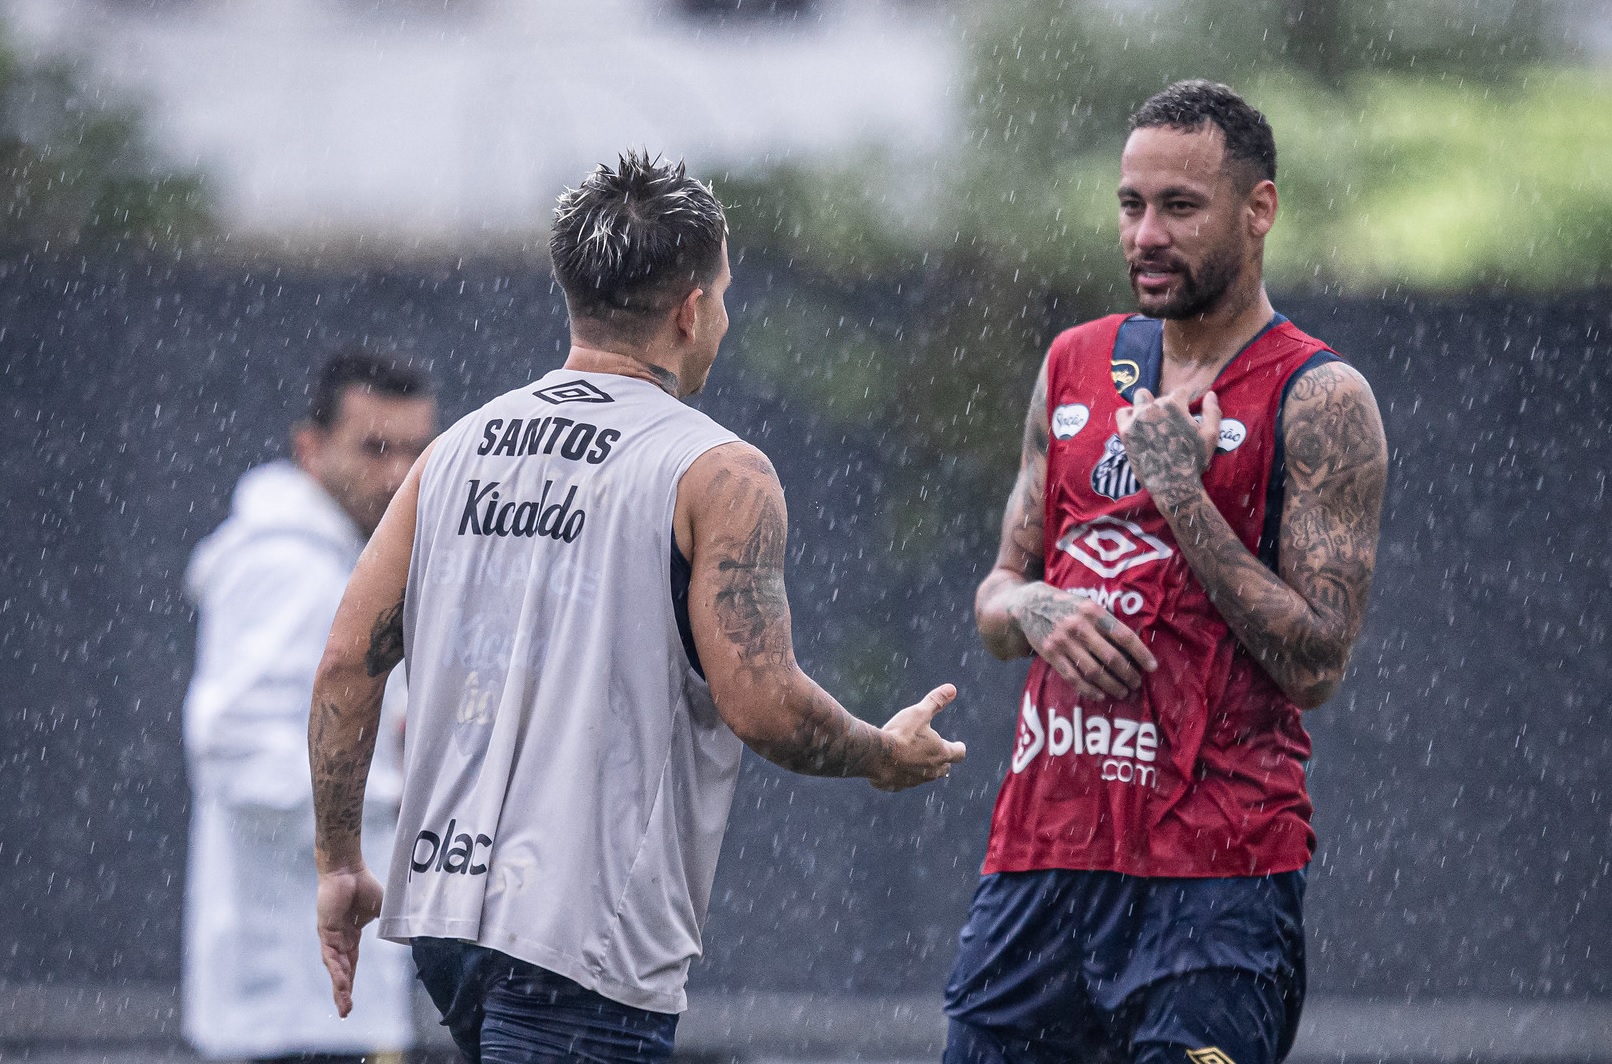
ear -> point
(1261, 207)
(307, 446)
(687, 316)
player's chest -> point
(1088, 463)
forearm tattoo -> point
(385, 641)
(339, 752)
(752, 613)
(1302, 624)
(827, 741)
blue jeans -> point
(505, 1011)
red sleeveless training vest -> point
(1201, 771)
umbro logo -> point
(1108, 546)
(577, 391)
(1209, 1055)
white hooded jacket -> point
(266, 585)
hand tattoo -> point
(1038, 611)
(1166, 452)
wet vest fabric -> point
(1200, 772)
(567, 778)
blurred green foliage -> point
(76, 168)
(1406, 132)
(1440, 144)
(1439, 184)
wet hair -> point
(632, 242)
(360, 367)
(1188, 105)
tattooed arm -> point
(1300, 624)
(366, 642)
(1019, 614)
(730, 523)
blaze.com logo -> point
(1126, 748)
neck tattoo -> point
(666, 379)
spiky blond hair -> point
(632, 241)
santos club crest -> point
(1112, 477)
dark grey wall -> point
(1462, 798)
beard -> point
(1198, 289)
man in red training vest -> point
(1186, 554)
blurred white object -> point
(417, 122)
(266, 585)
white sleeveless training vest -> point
(567, 779)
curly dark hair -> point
(1188, 105)
(632, 242)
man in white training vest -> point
(585, 577)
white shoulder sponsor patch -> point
(1069, 419)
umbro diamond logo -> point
(577, 391)
(1108, 546)
(1209, 1055)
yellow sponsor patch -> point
(1125, 373)
(1208, 1055)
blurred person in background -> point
(266, 585)
(587, 576)
(1186, 555)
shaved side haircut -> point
(1189, 105)
(634, 241)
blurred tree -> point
(1383, 108)
(1050, 78)
(1333, 40)
(1439, 185)
(76, 168)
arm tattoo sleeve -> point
(1026, 514)
(1040, 609)
(1302, 624)
(827, 741)
(1020, 557)
(752, 612)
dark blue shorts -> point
(1101, 967)
(505, 1011)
